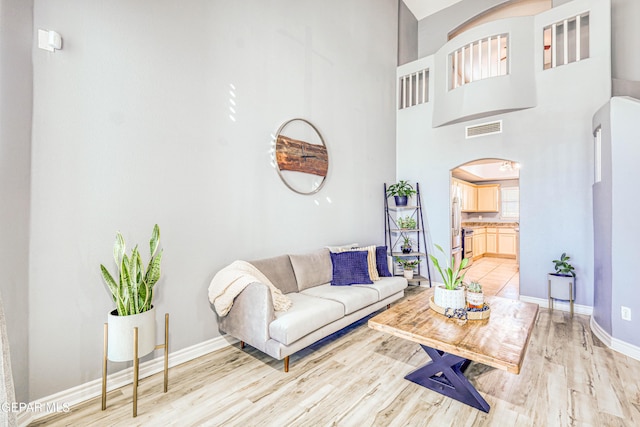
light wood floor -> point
(355, 378)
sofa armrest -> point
(250, 316)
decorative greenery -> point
(407, 240)
(407, 223)
(408, 264)
(474, 286)
(563, 267)
(451, 276)
(402, 188)
(133, 293)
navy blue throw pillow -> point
(350, 268)
(382, 265)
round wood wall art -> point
(301, 157)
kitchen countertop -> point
(491, 224)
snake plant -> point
(133, 292)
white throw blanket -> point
(231, 280)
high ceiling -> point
(423, 8)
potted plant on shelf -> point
(451, 293)
(408, 266)
(401, 192)
(133, 295)
(407, 223)
(407, 245)
(562, 283)
(475, 296)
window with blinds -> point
(510, 200)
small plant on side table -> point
(562, 283)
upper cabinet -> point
(469, 197)
(479, 198)
(488, 198)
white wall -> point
(16, 23)
(132, 127)
(553, 143)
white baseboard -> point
(559, 305)
(121, 378)
(614, 343)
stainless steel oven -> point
(467, 244)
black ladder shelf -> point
(394, 235)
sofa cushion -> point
(279, 271)
(382, 261)
(371, 260)
(307, 314)
(353, 298)
(387, 286)
(312, 269)
(349, 268)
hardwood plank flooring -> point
(356, 378)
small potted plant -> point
(407, 223)
(401, 192)
(451, 293)
(475, 296)
(407, 245)
(408, 266)
(562, 283)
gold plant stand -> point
(136, 363)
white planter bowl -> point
(120, 335)
(408, 274)
(449, 298)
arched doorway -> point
(485, 206)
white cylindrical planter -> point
(562, 287)
(408, 274)
(120, 335)
(446, 298)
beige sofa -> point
(318, 308)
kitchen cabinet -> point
(479, 242)
(469, 197)
(488, 198)
(507, 244)
(492, 240)
(478, 198)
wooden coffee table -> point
(499, 341)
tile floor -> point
(498, 276)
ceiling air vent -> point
(484, 129)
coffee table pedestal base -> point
(451, 383)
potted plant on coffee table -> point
(450, 294)
(562, 283)
(401, 192)
(408, 265)
(475, 296)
